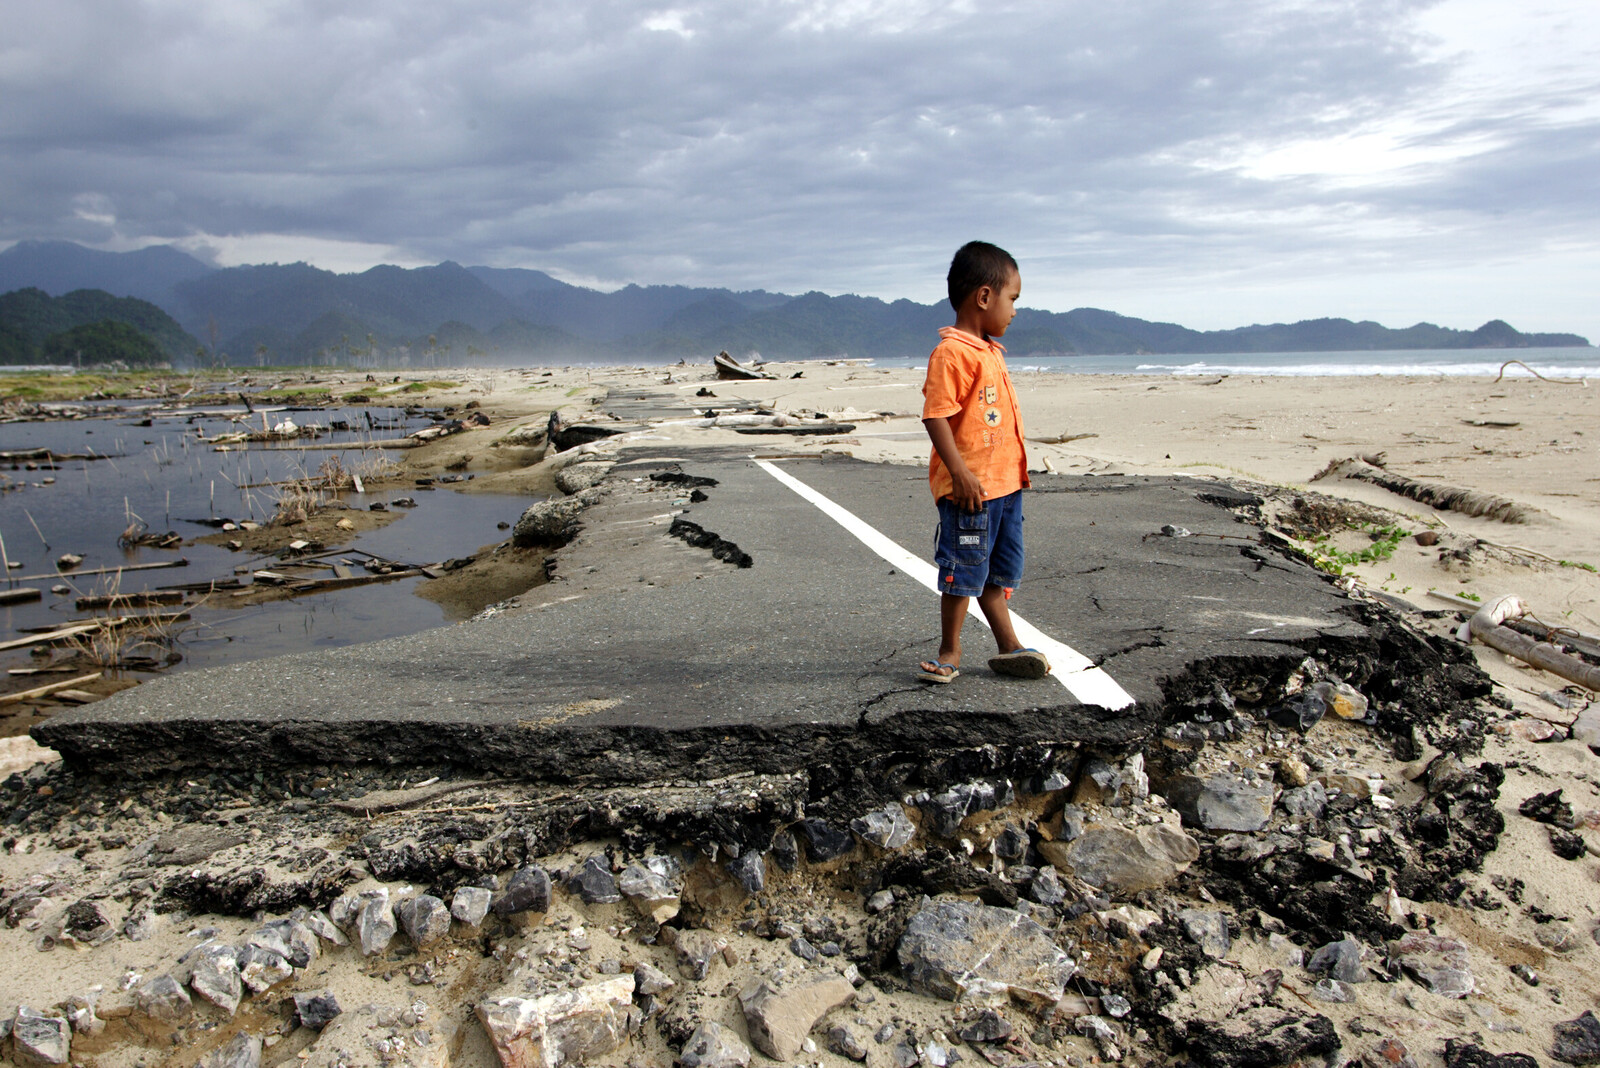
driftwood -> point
(798, 428)
(20, 596)
(1488, 626)
(60, 635)
(180, 562)
(129, 600)
(1433, 494)
(728, 367)
(45, 691)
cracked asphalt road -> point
(694, 668)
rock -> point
(80, 1016)
(40, 1039)
(1389, 1053)
(570, 1027)
(1305, 802)
(750, 868)
(648, 979)
(163, 998)
(989, 1026)
(949, 809)
(262, 969)
(1115, 1005)
(1301, 712)
(714, 1046)
(884, 898)
(470, 904)
(1577, 1041)
(1342, 699)
(1340, 960)
(843, 1040)
(951, 946)
(1260, 1037)
(86, 921)
(316, 1011)
(823, 841)
(552, 522)
(1293, 772)
(1208, 930)
(243, 1050)
(375, 923)
(696, 952)
(887, 828)
(528, 891)
(1333, 990)
(426, 919)
(594, 883)
(579, 477)
(1122, 860)
(1568, 845)
(802, 948)
(1221, 802)
(785, 851)
(1459, 1053)
(650, 892)
(216, 977)
(1557, 936)
(324, 928)
(1442, 964)
(904, 1054)
(779, 1015)
(342, 913)
(1532, 729)
(1354, 786)
(1045, 888)
(1011, 844)
(291, 939)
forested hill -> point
(88, 326)
(450, 314)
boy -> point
(979, 467)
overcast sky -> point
(1210, 162)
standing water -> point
(152, 469)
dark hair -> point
(978, 264)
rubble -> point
(714, 1046)
(780, 1012)
(951, 947)
(571, 1027)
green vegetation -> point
(31, 318)
(30, 386)
(1578, 564)
(1335, 561)
(105, 342)
(424, 387)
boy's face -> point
(997, 307)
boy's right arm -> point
(966, 490)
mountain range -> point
(449, 315)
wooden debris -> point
(20, 596)
(1434, 494)
(728, 367)
(59, 635)
(45, 691)
(1062, 439)
(180, 562)
(129, 600)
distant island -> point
(449, 315)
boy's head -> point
(978, 264)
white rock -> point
(572, 1027)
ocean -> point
(1568, 363)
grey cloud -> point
(757, 150)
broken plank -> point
(130, 600)
(180, 562)
(45, 691)
(53, 636)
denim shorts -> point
(978, 549)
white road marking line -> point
(1087, 683)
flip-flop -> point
(1020, 664)
(935, 676)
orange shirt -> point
(967, 384)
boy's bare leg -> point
(993, 603)
(952, 613)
